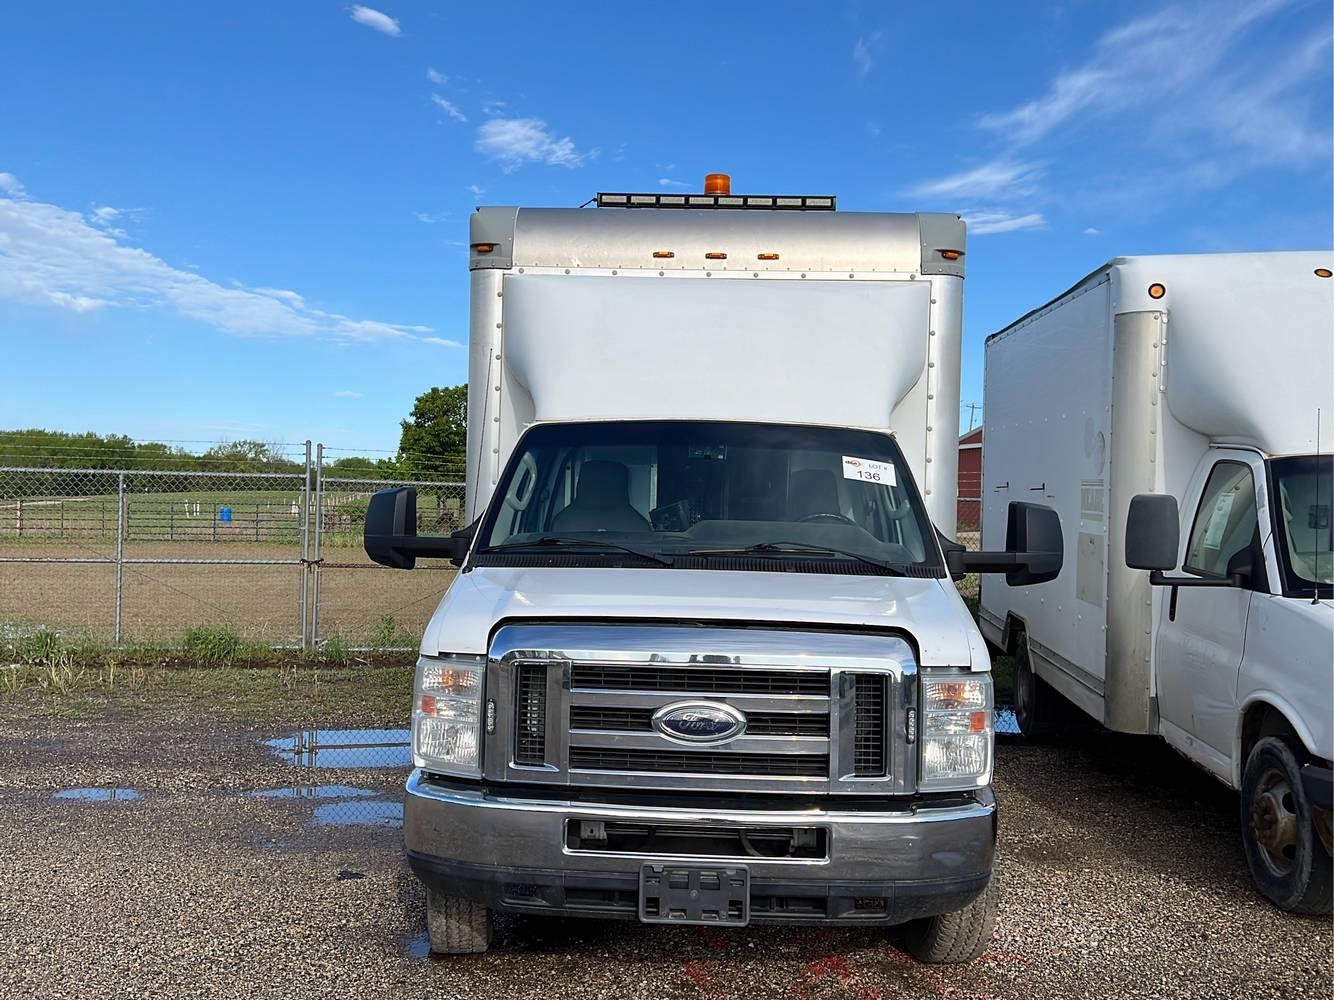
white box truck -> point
(1177, 411)
(704, 661)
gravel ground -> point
(1123, 876)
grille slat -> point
(598, 676)
(530, 715)
(869, 739)
(698, 762)
(638, 720)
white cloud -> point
(10, 185)
(983, 223)
(863, 52)
(372, 18)
(431, 218)
(999, 178)
(348, 394)
(1187, 68)
(53, 256)
(440, 341)
(667, 182)
(436, 77)
(516, 141)
(476, 191)
(449, 108)
(494, 107)
(1090, 231)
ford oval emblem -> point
(699, 722)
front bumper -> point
(880, 865)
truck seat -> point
(601, 502)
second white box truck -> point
(1178, 411)
(704, 661)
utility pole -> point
(972, 413)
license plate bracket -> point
(694, 894)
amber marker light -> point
(1157, 290)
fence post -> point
(257, 521)
(319, 529)
(120, 548)
(305, 557)
(215, 522)
(62, 519)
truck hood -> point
(930, 611)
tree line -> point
(432, 445)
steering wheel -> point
(823, 516)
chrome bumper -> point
(511, 853)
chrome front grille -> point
(819, 709)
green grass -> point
(210, 673)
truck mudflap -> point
(886, 864)
(1318, 783)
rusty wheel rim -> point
(1274, 822)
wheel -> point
(1289, 864)
(457, 926)
(1038, 709)
(961, 936)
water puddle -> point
(97, 794)
(332, 748)
(359, 813)
(311, 792)
(415, 945)
(1006, 723)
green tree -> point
(434, 438)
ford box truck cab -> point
(704, 661)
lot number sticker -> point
(868, 471)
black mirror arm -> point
(985, 562)
(1157, 578)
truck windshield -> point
(1303, 488)
(701, 493)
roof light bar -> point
(789, 203)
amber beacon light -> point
(717, 184)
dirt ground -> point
(1122, 870)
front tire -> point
(1288, 862)
(1038, 709)
(457, 926)
(960, 936)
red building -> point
(970, 481)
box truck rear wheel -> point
(1038, 709)
(961, 936)
(457, 926)
(1288, 862)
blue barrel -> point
(225, 515)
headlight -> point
(958, 732)
(447, 715)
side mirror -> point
(1034, 532)
(1034, 548)
(1152, 532)
(391, 538)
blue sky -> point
(246, 220)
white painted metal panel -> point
(819, 352)
(1047, 404)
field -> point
(221, 550)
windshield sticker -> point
(869, 471)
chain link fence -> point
(143, 556)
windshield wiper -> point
(779, 548)
(553, 541)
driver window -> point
(1225, 521)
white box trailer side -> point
(1107, 392)
(574, 317)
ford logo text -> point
(699, 722)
